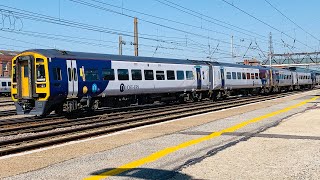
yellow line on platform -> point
(164, 152)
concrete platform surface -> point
(172, 149)
(290, 150)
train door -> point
(24, 71)
(199, 83)
(222, 78)
(72, 78)
(25, 79)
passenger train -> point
(46, 80)
(5, 86)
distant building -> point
(5, 62)
(250, 62)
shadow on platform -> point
(146, 173)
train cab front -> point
(30, 83)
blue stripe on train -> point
(94, 87)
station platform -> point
(289, 150)
(275, 139)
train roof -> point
(304, 70)
(54, 53)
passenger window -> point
(75, 75)
(256, 75)
(9, 83)
(180, 75)
(234, 75)
(136, 74)
(123, 74)
(148, 75)
(26, 71)
(189, 75)
(248, 75)
(239, 75)
(57, 74)
(108, 74)
(252, 75)
(170, 75)
(41, 73)
(91, 74)
(69, 74)
(228, 75)
(244, 76)
(3, 84)
(14, 78)
(160, 75)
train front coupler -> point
(26, 104)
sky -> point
(184, 29)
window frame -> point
(161, 74)
(42, 70)
(26, 71)
(180, 72)
(105, 75)
(126, 75)
(57, 76)
(244, 75)
(189, 77)
(69, 74)
(145, 73)
(234, 75)
(252, 76)
(133, 76)
(228, 75)
(90, 75)
(239, 75)
(248, 76)
(172, 75)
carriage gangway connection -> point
(274, 139)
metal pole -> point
(136, 52)
(270, 58)
(270, 49)
(120, 45)
(232, 54)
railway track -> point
(6, 102)
(55, 131)
(8, 113)
(32, 126)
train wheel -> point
(95, 105)
(219, 95)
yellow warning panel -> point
(25, 79)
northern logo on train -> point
(85, 89)
(94, 88)
(122, 87)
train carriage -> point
(46, 80)
(5, 86)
